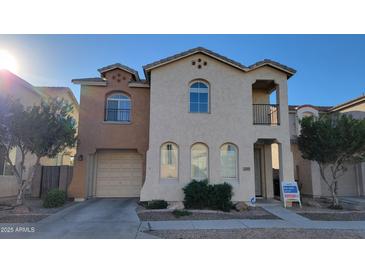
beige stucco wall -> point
(229, 120)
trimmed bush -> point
(220, 196)
(156, 204)
(180, 213)
(54, 198)
(196, 194)
(199, 195)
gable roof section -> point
(147, 68)
(103, 70)
(348, 104)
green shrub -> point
(55, 198)
(196, 194)
(199, 195)
(156, 204)
(180, 213)
(220, 197)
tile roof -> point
(349, 103)
(120, 66)
(319, 108)
(148, 67)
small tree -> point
(332, 141)
(43, 131)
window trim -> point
(189, 102)
(118, 92)
(236, 179)
(208, 161)
(177, 164)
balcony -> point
(265, 114)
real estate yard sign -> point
(290, 192)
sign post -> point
(290, 192)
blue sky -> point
(330, 68)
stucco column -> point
(286, 171)
(269, 184)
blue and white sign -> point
(290, 192)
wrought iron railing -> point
(266, 114)
(117, 115)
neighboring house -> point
(307, 172)
(198, 115)
(19, 89)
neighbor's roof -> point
(57, 91)
(103, 70)
(319, 108)
(348, 104)
(147, 68)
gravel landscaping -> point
(260, 233)
(30, 212)
(166, 215)
(338, 216)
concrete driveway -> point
(92, 219)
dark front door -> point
(258, 172)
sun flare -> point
(7, 61)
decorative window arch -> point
(229, 161)
(169, 161)
(199, 161)
(118, 107)
(199, 97)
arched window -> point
(199, 97)
(169, 161)
(118, 108)
(199, 162)
(229, 161)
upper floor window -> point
(169, 161)
(199, 162)
(199, 97)
(118, 108)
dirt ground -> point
(31, 211)
(260, 233)
(251, 213)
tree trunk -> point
(19, 198)
(335, 201)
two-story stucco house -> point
(198, 115)
(17, 88)
(307, 174)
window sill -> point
(169, 181)
(117, 123)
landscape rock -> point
(21, 209)
(241, 206)
(175, 205)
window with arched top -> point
(199, 97)
(199, 162)
(229, 161)
(169, 161)
(118, 108)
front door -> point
(258, 172)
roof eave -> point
(88, 83)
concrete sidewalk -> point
(288, 218)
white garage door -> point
(119, 174)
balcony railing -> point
(118, 115)
(265, 114)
